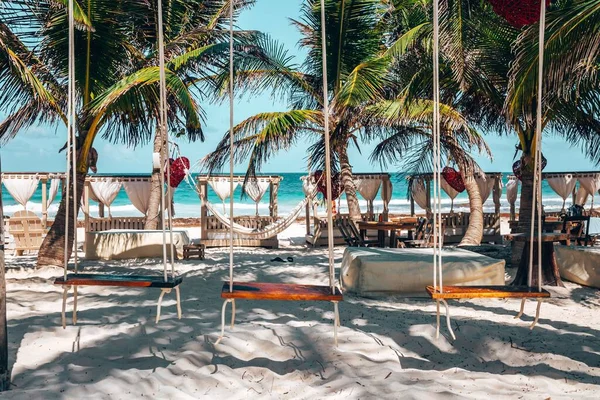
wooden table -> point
(550, 273)
(383, 227)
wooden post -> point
(44, 201)
(203, 189)
(496, 195)
(4, 372)
(86, 205)
(428, 196)
(574, 194)
(273, 208)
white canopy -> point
(512, 189)
(419, 193)
(450, 191)
(485, 184)
(106, 191)
(52, 192)
(21, 189)
(139, 194)
(368, 189)
(256, 190)
(591, 184)
(562, 186)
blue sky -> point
(37, 148)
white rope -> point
(70, 122)
(164, 149)
(437, 206)
(538, 155)
(327, 149)
(231, 149)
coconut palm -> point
(356, 75)
(116, 73)
(571, 100)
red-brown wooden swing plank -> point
(119, 280)
(280, 291)
(491, 292)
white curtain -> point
(562, 186)
(106, 192)
(21, 189)
(139, 194)
(485, 184)
(368, 189)
(581, 196)
(222, 189)
(52, 192)
(308, 187)
(386, 195)
(512, 189)
(256, 190)
(419, 194)
(591, 184)
(449, 191)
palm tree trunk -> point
(153, 216)
(4, 372)
(348, 184)
(474, 232)
(520, 252)
(52, 251)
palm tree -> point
(571, 100)
(468, 33)
(357, 70)
(116, 74)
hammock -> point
(269, 230)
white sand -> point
(284, 350)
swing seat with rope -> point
(168, 281)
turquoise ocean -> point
(187, 203)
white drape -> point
(591, 184)
(449, 191)
(485, 184)
(512, 189)
(106, 192)
(222, 189)
(52, 192)
(256, 190)
(139, 194)
(386, 194)
(21, 189)
(419, 194)
(562, 186)
(581, 196)
(308, 186)
(368, 189)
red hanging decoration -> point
(179, 169)
(517, 167)
(454, 179)
(518, 13)
(336, 184)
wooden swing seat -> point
(486, 292)
(280, 291)
(154, 281)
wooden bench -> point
(146, 281)
(193, 250)
(485, 292)
(278, 291)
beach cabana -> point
(215, 224)
(367, 185)
(456, 223)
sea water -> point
(187, 202)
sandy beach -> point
(284, 350)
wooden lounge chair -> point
(27, 230)
(423, 234)
(351, 235)
(578, 229)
